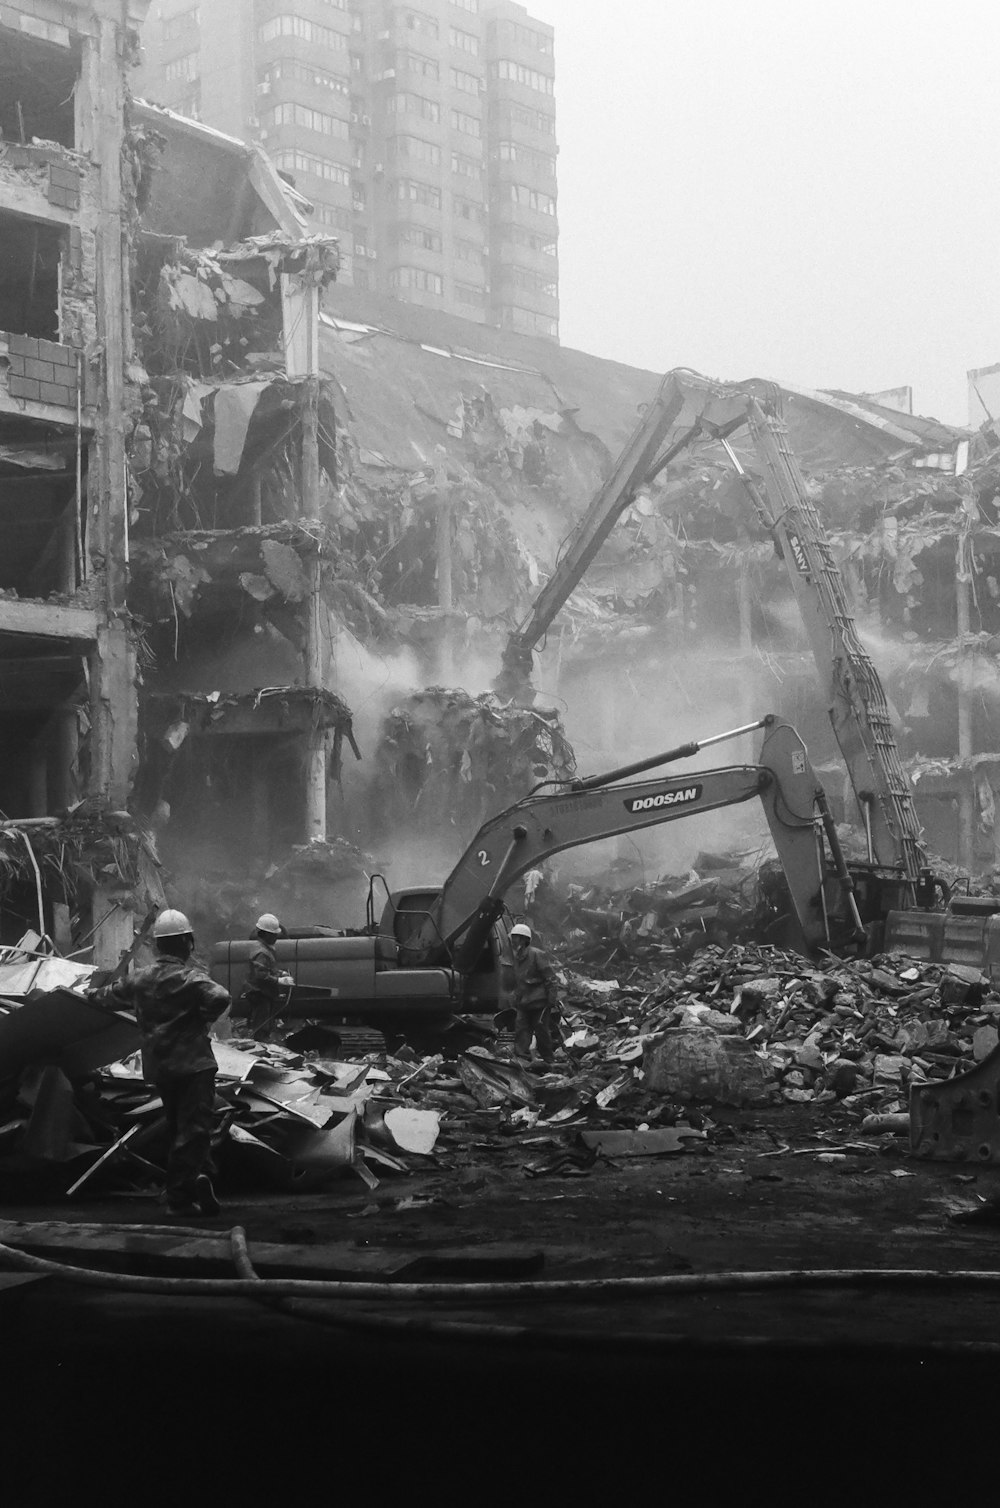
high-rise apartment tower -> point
(424, 134)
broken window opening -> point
(41, 686)
(37, 87)
(40, 518)
(30, 253)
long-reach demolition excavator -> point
(902, 904)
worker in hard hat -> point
(175, 1003)
(267, 985)
(532, 982)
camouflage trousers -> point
(189, 1107)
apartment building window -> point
(415, 104)
(465, 293)
(311, 120)
(424, 25)
(333, 215)
(176, 26)
(418, 193)
(182, 68)
(357, 21)
(303, 73)
(533, 282)
(463, 41)
(359, 199)
(305, 162)
(416, 150)
(469, 125)
(535, 120)
(466, 167)
(514, 151)
(517, 73)
(472, 6)
(417, 278)
(412, 62)
(336, 4)
(526, 36)
(516, 235)
(416, 235)
(530, 323)
(466, 209)
(306, 31)
(528, 198)
(469, 83)
(470, 251)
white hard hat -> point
(269, 923)
(171, 924)
(520, 929)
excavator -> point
(434, 954)
(904, 906)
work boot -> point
(204, 1195)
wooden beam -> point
(48, 620)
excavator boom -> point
(529, 832)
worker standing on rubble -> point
(266, 984)
(175, 1002)
(532, 981)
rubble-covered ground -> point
(345, 1163)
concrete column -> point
(445, 597)
(316, 745)
(38, 777)
(112, 660)
(65, 750)
(966, 792)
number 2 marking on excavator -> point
(483, 858)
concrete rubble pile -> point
(722, 898)
(649, 1066)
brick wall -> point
(42, 370)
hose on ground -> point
(571, 1340)
(542, 1291)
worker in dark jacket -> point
(266, 983)
(175, 1002)
(532, 981)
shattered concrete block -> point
(961, 985)
(759, 993)
(693, 1063)
(984, 1041)
(891, 1067)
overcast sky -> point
(796, 189)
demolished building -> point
(261, 525)
(74, 862)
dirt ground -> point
(798, 1353)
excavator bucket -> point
(958, 1120)
(953, 936)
